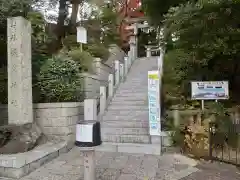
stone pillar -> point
(126, 62)
(148, 52)
(117, 72)
(176, 118)
(121, 71)
(135, 41)
(97, 63)
(132, 48)
(89, 164)
(160, 60)
(20, 106)
(90, 109)
(110, 85)
(102, 99)
(129, 59)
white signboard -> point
(154, 103)
(209, 90)
(81, 35)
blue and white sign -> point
(209, 90)
(154, 103)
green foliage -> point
(207, 35)
(175, 82)
(98, 50)
(59, 80)
(70, 41)
(156, 9)
(144, 39)
(83, 59)
(177, 138)
(3, 85)
(109, 25)
(225, 133)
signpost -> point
(81, 36)
(209, 90)
(154, 103)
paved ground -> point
(116, 166)
(214, 171)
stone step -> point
(132, 148)
(131, 98)
(131, 92)
(130, 95)
(126, 124)
(123, 131)
(127, 108)
(142, 139)
(126, 115)
(131, 85)
(129, 103)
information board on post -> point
(154, 103)
(81, 35)
(209, 90)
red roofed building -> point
(128, 9)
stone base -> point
(164, 139)
(21, 164)
(133, 148)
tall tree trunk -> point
(75, 8)
(75, 11)
(62, 15)
(60, 28)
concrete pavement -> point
(116, 166)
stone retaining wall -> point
(58, 120)
(55, 119)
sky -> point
(87, 8)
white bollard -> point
(102, 99)
(148, 52)
(117, 72)
(97, 62)
(126, 65)
(129, 59)
(121, 71)
(90, 109)
(110, 85)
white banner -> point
(154, 103)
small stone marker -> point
(88, 135)
(20, 108)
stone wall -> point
(116, 53)
(55, 119)
(59, 119)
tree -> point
(208, 32)
(156, 9)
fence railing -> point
(224, 135)
(224, 143)
(106, 89)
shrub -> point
(98, 50)
(3, 85)
(59, 80)
(83, 59)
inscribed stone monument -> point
(20, 108)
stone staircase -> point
(125, 123)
